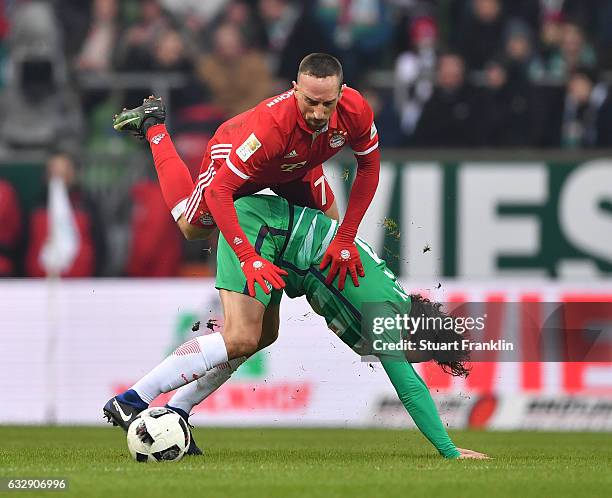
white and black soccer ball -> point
(158, 435)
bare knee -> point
(243, 341)
(270, 326)
(267, 338)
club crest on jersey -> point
(249, 147)
(338, 139)
(206, 219)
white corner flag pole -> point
(57, 255)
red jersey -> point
(271, 144)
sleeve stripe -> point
(367, 151)
(198, 197)
(179, 209)
(219, 146)
(236, 170)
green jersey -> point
(295, 239)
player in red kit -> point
(281, 144)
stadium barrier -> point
(67, 346)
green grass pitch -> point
(312, 463)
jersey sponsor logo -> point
(338, 139)
(158, 138)
(237, 241)
(249, 147)
(290, 167)
(291, 155)
(373, 131)
(280, 98)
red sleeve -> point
(220, 200)
(364, 138)
(362, 193)
(260, 140)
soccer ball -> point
(158, 435)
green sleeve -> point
(415, 397)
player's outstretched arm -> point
(414, 395)
(342, 253)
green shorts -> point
(264, 220)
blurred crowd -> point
(438, 73)
(527, 73)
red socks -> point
(174, 177)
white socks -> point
(195, 392)
(189, 362)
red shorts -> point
(312, 190)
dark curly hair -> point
(452, 363)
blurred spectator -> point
(580, 119)
(528, 11)
(414, 72)
(479, 36)
(360, 30)
(236, 75)
(10, 229)
(604, 30)
(196, 14)
(170, 55)
(603, 124)
(245, 15)
(155, 243)
(386, 117)
(550, 41)
(39, 108)
(291, 33)
(505, 108)
(135, 48)
(75, 19)
(573, 51)
(97, 50)
(91, 254)
(449, 117)
(518, 51)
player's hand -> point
(344, 258)
(469, 454)
(260, 270)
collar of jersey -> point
(332, 124)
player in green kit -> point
(295, 239)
